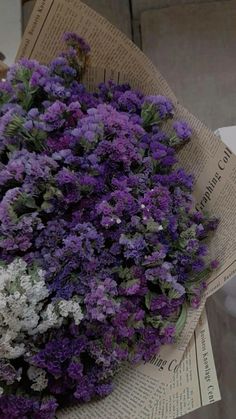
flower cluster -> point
(101, 249)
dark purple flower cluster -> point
(12, 407)
(90, 193)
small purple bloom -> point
(73, 39)
(162, 104)
(182, 130)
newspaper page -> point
(194, 384)
(141, 396)
(171, 355)
(214, 166)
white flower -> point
(71, 308)
(49, 318)
(26, 310)
(38, 377)
(20, 306)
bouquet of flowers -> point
(101, 249)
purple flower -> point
(75, 370)
(104, 389)
(129, 101)
(158, 303)
(134, 247)
(22, 407)
(73, 39)
(214, 264)
(162, 104)
(198, 265)
(54, 116)
(100, 301)
(182, 130)
(85, 390)
(155, 109)
(168, 334)
(5, 87)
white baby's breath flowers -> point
(56, 312)
(21, 296)
(25, 310)
(38, 378)
(71, 308)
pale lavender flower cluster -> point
(90, 195)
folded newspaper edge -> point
(140, 396)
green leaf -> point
(51, 192)
(189, 233)
(197, 278)
(14, 126)
(182, 243)
(181, 320)
(123, 273)
(173, 294)
(152, 226)
(12, 147)
(156, 321)
(148, 299)
(29, 202)
(149, 115)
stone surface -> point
(10, 28)
(193, 46)
(139, 6)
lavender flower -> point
(73, 39)
(156, 109)
(182, 130)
